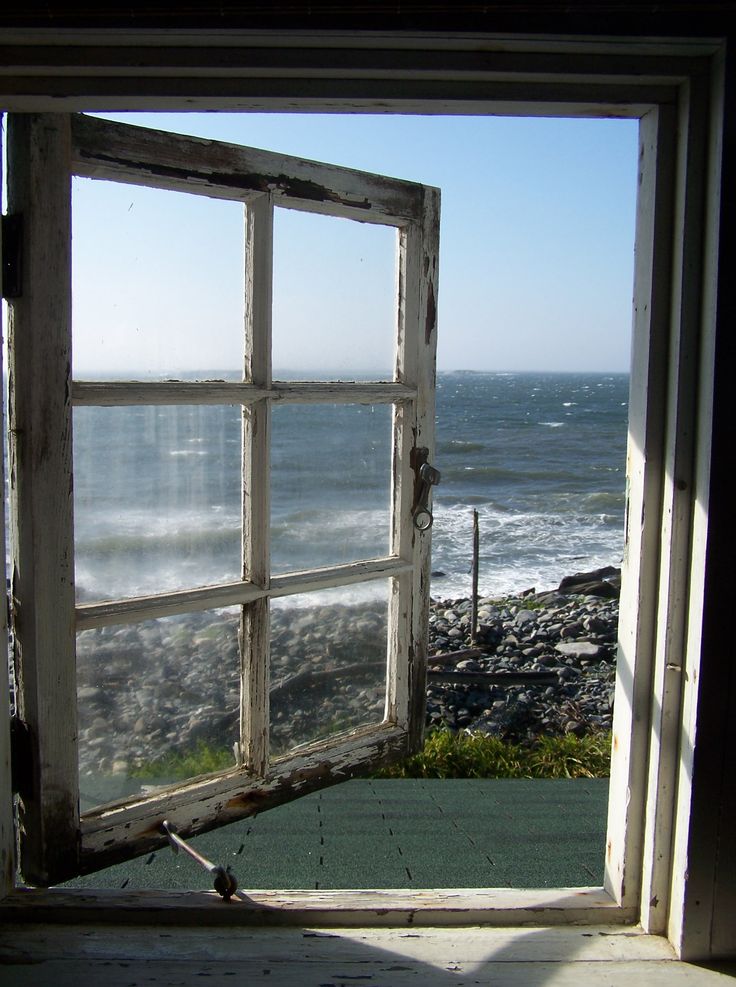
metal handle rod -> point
(224, 879)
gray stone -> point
(580, 649)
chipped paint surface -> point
(114, 833)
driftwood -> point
(492, 678)
(482, 678)
(309, 677)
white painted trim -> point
(120, 393)
(234, 594)
(138, 155)
(256, 486)
(677, 511)
(637, 603)
(39, 187)
(696, 926)
(455, 907)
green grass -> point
(178, 765)
(476, 755)
(445, 755)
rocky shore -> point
(541, 663)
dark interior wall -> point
(712, 861)
(622, 17)
(546, 16)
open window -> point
(665, 843)
(96, 656)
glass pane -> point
(157, 499)
(158, 702)
(330, 484)
(334, 298)
(158, 283)
(328, 664)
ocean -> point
(541, 457)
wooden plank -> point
(703, 903)
(434, 909)
(589, 943)
(399, 637)
(425, 343)
(485, 58)
(116, 832)
(373, 968)
(677, 513)
(119, 393)
(41, 491)
(231, 594)
(640, 570)
(344, 575)
(515, 72)
(256, 486)
(561, 957)
(120, 152)
(165, 604)
(413, 431)
(645, 48)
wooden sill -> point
(432, 907)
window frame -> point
(47, 152)
(675, 87)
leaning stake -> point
(474, 594)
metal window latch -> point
(224, 879)
(428, 478)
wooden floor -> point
(85, 956)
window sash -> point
(50, 150)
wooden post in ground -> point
(474, 594)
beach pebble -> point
(153, 689)
(569, 633)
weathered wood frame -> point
(46, 151)
(675, 88)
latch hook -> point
(428, 478)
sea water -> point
(158, 490)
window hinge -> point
(21, 750)
(12, 256)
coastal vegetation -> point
(446, 754)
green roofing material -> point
(400, 833)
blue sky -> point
(536, 258)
